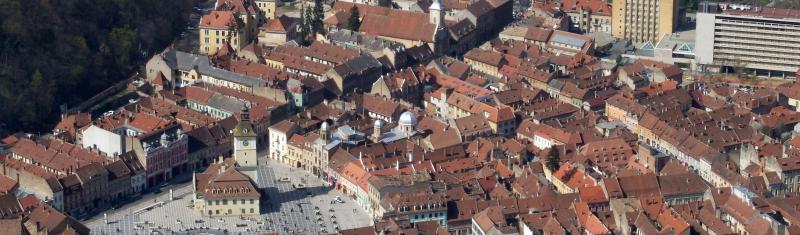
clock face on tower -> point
(245, 143)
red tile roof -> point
(573, 177)
(222, 180)
(71, 122)
(460, 86)
(491, 58)
(596, 7)
(589, 221)
(538, 34)
(279, 25)
(393, 23)
(218, 20)
(7, 184)
(242, 7)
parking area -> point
(313, 208)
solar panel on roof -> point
(568, 40)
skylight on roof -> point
(647, 46)
(685, 48)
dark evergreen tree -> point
(353, 23)
(385, 3)
(553, 159)
(302, 33)
(312, 35)
(318, 14)
(64, 52)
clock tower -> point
(244, 142)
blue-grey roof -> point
(186, 61)
(357, 65)
(556, 84)
(394, 134)
(225, 103)
(568, 40)
(610, 125)
(343, 135)
(351, 39)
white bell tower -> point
(244, 142)
(436, 13)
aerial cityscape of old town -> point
(430, 117)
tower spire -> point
(246, 112)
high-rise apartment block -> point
(761, 41)
(643, 20)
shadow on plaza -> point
(128, 201)
(290, 200)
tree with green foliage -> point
(690, 5)
(56, 52)
(123, 40)
(318, 14)
(302, 33)
(385, 3)
(312, 34)
(553, 159)
(353, 23)
(786, 4)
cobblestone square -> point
(312, 210)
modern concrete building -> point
(676, 48)
(763, 41)
(643, 20)
(101, 139)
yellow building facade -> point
(217, 28)
(643, 20)
(267, 8)
(222, 190)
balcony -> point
(756, 30)
(759, 37)
(749, 59)
(778, 50)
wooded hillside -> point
(64, 51)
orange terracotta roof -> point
(279, 25)
(223, 180)
(573, 177)
(7, 184)
(218, 20)
(491, 58)
(596, 7)
(594, 194)
(460, 86)
(538, 34)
